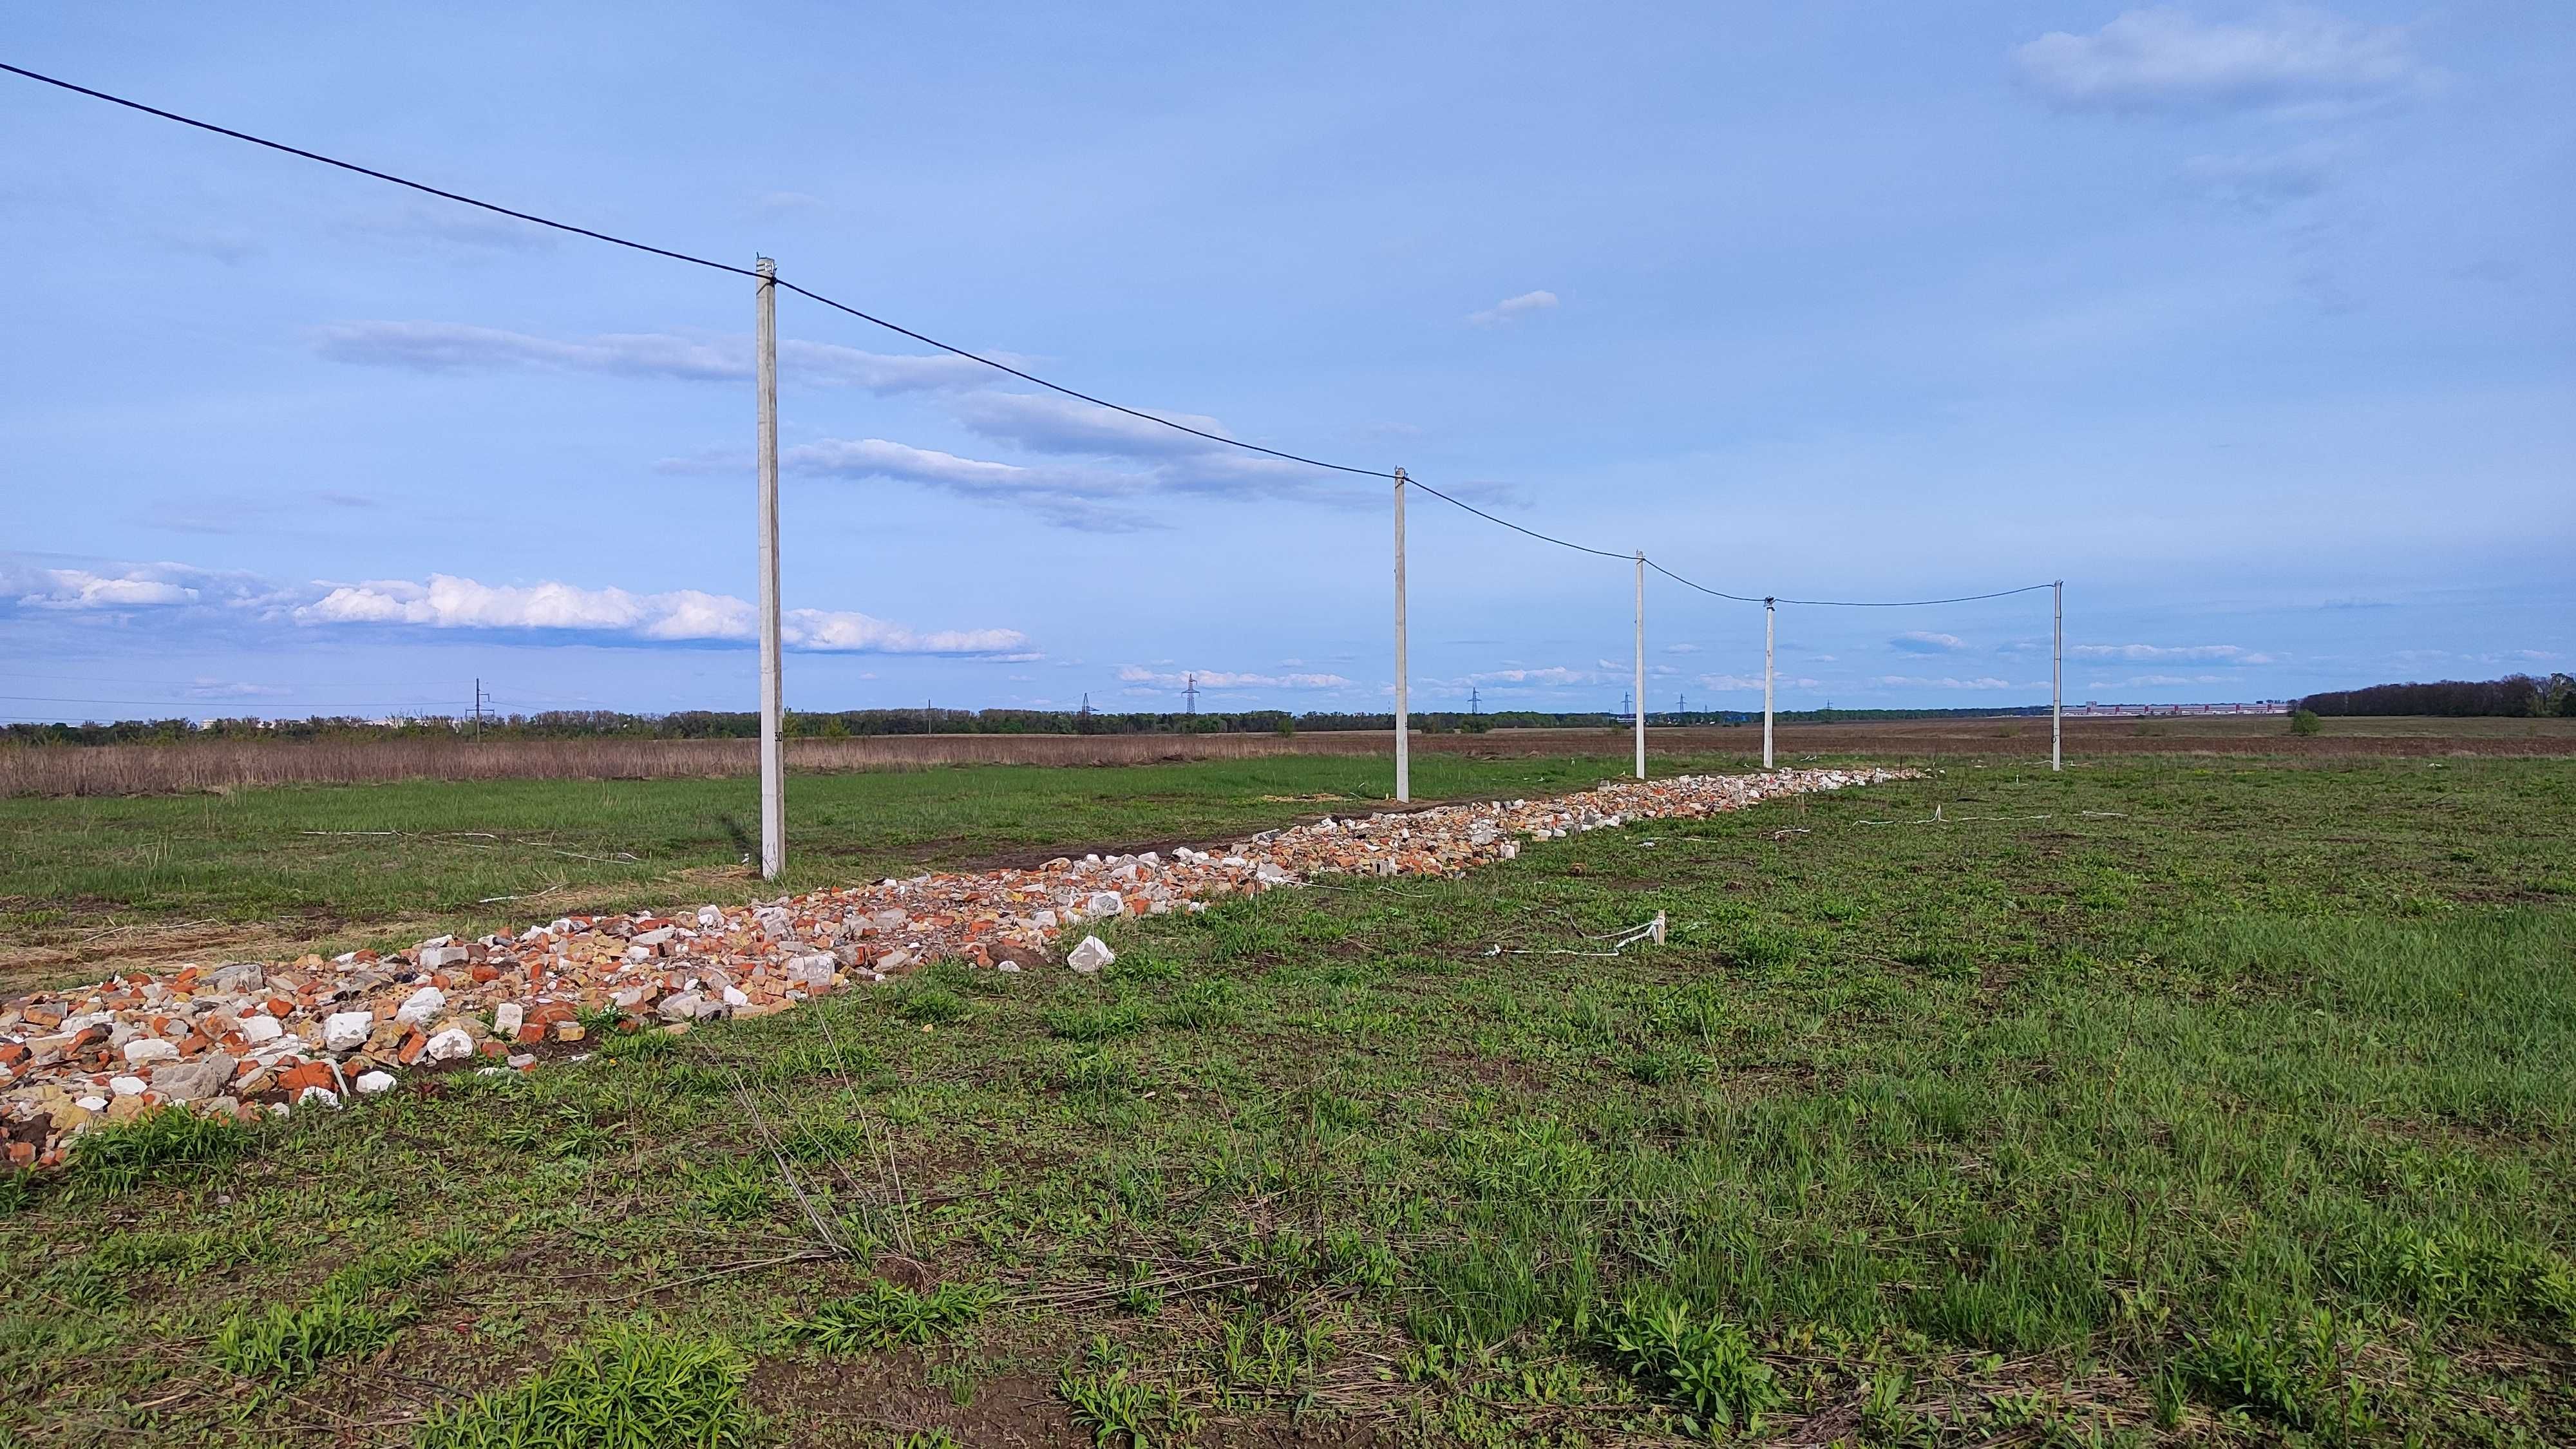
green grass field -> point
(343, 866)
(2231, 1103)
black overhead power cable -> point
(929, 341)
(1507, 523)
(420, 186)
(1703, 588)
(1913, 603)
(565, 226)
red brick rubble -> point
(249, 1037)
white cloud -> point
(679, 616)
(130, 587)
(1918, 641)
(1553, 676)
(78, 589)
(1223, 679)
(211, 689)
(2263, 180)
(2165, 59)
(1681, 649)
(1071, 496)
(1046, 423)
(1513, 307)
(447, 601)
(1908, 681)
(2154, 681)
(454, 347)
(1753, 682)
(2145, 653)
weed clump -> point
(284, 1346)
(1095, 1023)
(931, 1006)
(1118, 1408)
(886, 1314)
(2278, 1368)
(1707, 1366)
(122, 1156)
(632, 1388)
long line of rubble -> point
(249, 1037)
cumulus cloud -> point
(1918, 641)
(131, 587)
(455, 347)
(1226, 679)
(678, 616)
(2144, 653)
(2164, 59)
(1511, 308)
(180, 592)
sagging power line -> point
(765, 275)
(925, 339)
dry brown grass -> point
(229, 764)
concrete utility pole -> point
(1770, 616)
(478, 710)
(2057, 682)
(773, 764)
(1403, 746)
(1641, 664)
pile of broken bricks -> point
(246, 1038)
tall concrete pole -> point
(2057, 683)
(1403, 727)
(773, 765)
(1770, 616)
(1641, 664)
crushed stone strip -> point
(248, 1037)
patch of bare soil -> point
(864, 1400)
(150, 945)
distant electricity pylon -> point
(1192, 690)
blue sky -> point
(2252, 323)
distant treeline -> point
(2516, 694)
(861, 723)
